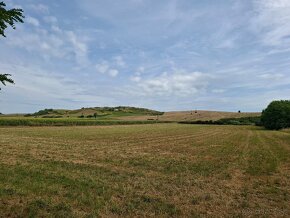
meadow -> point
(161, 170)
(24, 121)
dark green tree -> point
(5, 78)
(8, 18)
(277, 115)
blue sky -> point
(166, 55)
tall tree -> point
(8, 18)
(276, 115)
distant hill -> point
(135, 114)
(99, 112)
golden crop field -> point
(191, 116)
(144, 170)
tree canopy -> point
(8, 18)
(5, 78)
(277, 115)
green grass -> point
(163, 170)
(24, 121)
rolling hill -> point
(98, 112)
(136, 114)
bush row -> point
(227, 121)
(67, 122)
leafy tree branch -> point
(8, 18)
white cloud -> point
(102, 67)
(33, 21)
(40, 42)
(36, 88)
(50, 19)
(146, 18)
(270, 76)
(178, 83)
(32, 81)
(141, 39)
(272, 22)
(137, 75)
(54, 43)
(218, 91)
(110, 68)
(119, 61)
(51, 42)
(79, 48)
(141, 69)
(39, 8)
(55, 28)
(275, 3)
(113, 72)
(227, 44)
(135, 78)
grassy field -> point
(146, 170)
(25, 121)
(192, 116)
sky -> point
(168, 55)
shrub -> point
(227, 121)
(276, 115)
(48, 116)
(43, 112)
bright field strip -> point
(144, 170)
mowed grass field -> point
(144, 170)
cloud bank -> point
(166, 55)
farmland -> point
(24, 121)
(125, 113)
(121, 115)
(192, 115)
(144, 170)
